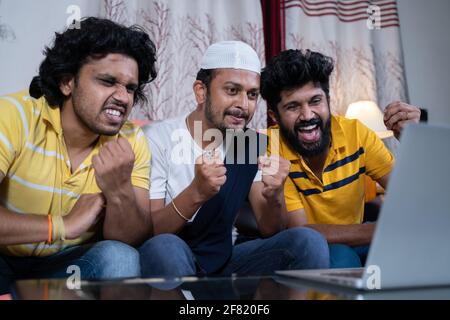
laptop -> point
(411, 243)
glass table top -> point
(208, 288)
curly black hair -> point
(293, 69)
(94, 39)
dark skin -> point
(310, 102)
(101, 85)
(229, 90)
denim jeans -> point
(297, 248)
(102, 260)
(344, 256)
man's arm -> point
(352, 234)
(209, 177)
(398, 114)
(383, 181)
(19, 228)
(127, 216)
(267, 197)
(165, 217)
(270, 214)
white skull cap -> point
(231, 55)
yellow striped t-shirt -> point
(36, 166)
(338, 198)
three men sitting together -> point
(81, 185)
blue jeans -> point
(344, 256)
(102, 260)
(297, 248)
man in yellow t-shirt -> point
(330, 156)
(74, 174)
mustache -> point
(237, 113)
(302, 124)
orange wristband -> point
(50, 229)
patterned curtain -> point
(181, 31)
(363, 38)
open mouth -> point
(114, 115)
(236, 119)
(309, 134)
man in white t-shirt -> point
(205, 164)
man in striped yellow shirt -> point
(74, 174)
(330, 155)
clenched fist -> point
(113, 165)
(397, 114)
(209, 175)
(84, 214)
(275, 170)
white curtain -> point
(363, 38)
(181, 31)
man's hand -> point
(397, 114)
(275, 170)
(113, 166)
(209, 175)
(83, 215)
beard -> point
(306, 149)
(220, 124)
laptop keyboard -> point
(349, 274)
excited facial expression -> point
(231, 99)
(305, 120)
(102, 94)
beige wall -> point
(34, 24)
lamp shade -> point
(370, 115)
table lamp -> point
(370, 115)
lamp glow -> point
(370, 115)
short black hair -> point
(94, 39)
(293, 69)
(206, 76)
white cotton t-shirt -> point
(173, 158)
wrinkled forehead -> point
(116, 65)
